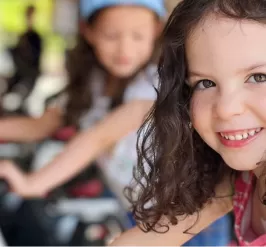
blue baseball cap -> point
(89, 7)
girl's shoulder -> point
(176, 236)
(143, 86)
(149, 75)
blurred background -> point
(57, 22)
(56, 33)
(84, 215)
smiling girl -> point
(205, 137)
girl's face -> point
(227, 68)
(123, 38)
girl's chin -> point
(243, 167)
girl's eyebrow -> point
(196, 74)
(249, 68)
(252, 67)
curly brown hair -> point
(177, 171)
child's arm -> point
(79, 153)
(27, 129)
(175, 236)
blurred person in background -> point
(112, 73)
(26, 54)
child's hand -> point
(18, 181)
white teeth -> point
(232, 138)
(251, 132)
(245, 135)
(238, 137)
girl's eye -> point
(257, 78)
(204, 84)
(110, 36)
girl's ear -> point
(87, 33)
(159, 29)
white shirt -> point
(118, 164)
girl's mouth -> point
(239, 138)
